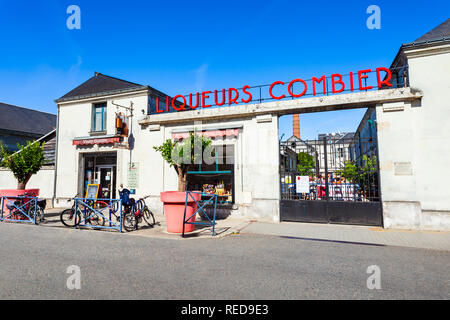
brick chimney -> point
(296, 125)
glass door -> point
(106, 179)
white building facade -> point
(86, 155)
(411, 126)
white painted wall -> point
(256, 169)
(42, 180)
(413, 144)
(256, 151)
(75, 121)
(416, 139)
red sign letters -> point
(233, 96)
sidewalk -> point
(305, 231)
(223, 227)
(353, 234)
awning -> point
(208, 134)
(87, 142)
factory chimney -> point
(296, 125)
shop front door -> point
(106, 179)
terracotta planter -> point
(16, 193)
(174, 210)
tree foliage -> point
(365, 174)
(182, 155)
(350, 172)
(305, 164)
(24, 163)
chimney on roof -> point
(296, 125)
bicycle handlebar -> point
(76, 196)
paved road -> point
(34, 262)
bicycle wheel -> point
(140, 204)
(100, 205)
(68, 217)
(129, 222)
(95, 219)
(114, 207)
(39, 215)
(148, 217)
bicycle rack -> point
(19, 209)
(113, 225)
(200, 209)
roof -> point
(98, 85)
(49, 147)
(13, 118)
(440, 32)
(337, 136)
(293, 138)
(438, 35)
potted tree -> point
(182, 156)
(23, 164)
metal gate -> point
(334, 179)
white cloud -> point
(200, 77)
(75, 68)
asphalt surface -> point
(34, 262)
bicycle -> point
(135, 212)
(114, 210)
(90, 216)
(26, 210)
(148, 214)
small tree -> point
(365, 175)
(182, 155)
(306, 164)
(369, 175)
(24, 163)
(350, 172)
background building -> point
(337, 149)
(19, 125)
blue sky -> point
(184, 46)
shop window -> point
(216, 178)
(100, 168)
(152, 100)
(99, 117)
(89, 165)
(151, 107)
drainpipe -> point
(56, 159)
